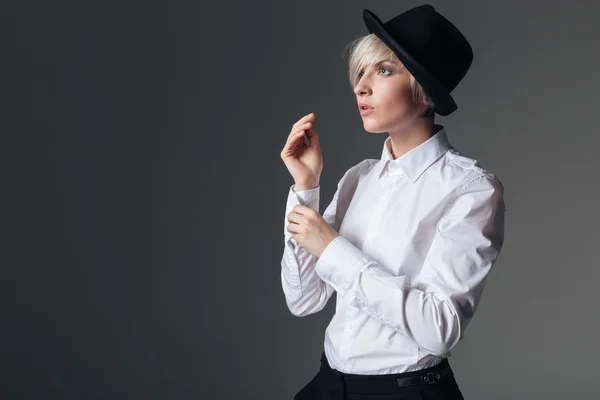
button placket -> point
(380, 207)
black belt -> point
(387, 383)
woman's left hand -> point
(309, 228)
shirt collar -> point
(417, 160)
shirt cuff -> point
(340, 263)
(308, 198)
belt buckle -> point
(430, 377)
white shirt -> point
(419, 236)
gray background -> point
(143, 196)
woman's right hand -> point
(305, 164)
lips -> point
(365, 108)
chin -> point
(371, 127)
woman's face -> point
(385, 87)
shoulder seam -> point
(460, 189)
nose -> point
(362, 88)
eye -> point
(361, 73)
(387, 71)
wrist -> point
(305, 186)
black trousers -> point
(434, 383)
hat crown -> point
(415, 24)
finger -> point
(293, 146)
(295, 218)
(298, 229)
(295, 134)
(307, 117)
(291, 218)
(303, 210)
(313, 138)
(295, 143)
(297, 209)
(301, 129)
(295, 230)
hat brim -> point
(439, 95)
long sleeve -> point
(305, 292)
(435, 308)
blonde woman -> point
(408, 240)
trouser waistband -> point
(387, 383)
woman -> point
(408, 240)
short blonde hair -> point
(369, 50)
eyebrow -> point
(387, 61)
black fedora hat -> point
(431, 48)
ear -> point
(429, 112)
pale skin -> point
(386, 88)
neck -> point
(403, 140)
